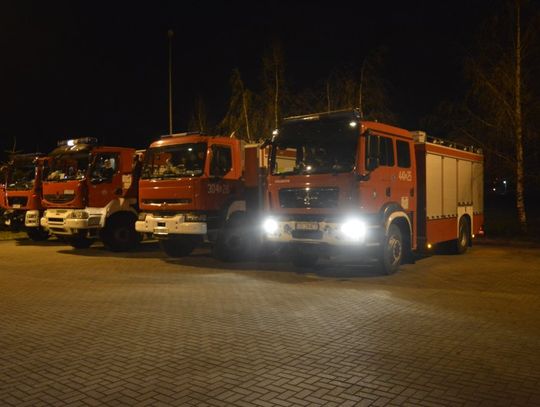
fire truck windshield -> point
(176, 161)
(66, 167)
(314, 147)
(22, 174)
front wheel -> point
(119, 234)
(392, 251)
(80, 242)
(178, 247)
(235, 241)
(37, 234)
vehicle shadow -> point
(26, 241)
(202, 258)
(146, 249)
(326, 268)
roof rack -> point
(421, 137)
(187, 133)
(316, 116)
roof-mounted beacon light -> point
(72, 142)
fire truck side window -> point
(221, 161)
(403, 154)
(386, 152)
(105, 166)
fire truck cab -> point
(193, 189)
(21, 194)
(90, 192)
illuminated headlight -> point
(142, 216)
(195, 217)
(79, 215)
(270, 226)
(354, 229)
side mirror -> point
(265, 143)
(362, 177)
(372, 163)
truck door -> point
(378, 190)
(403, 187)
(104, 180)
(220, 186)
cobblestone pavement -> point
(88, 327)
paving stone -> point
(89, 328)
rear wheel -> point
(392, 251)
(464, 237)
(37, 234)
(179, 246)
(119, 234)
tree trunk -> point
(520, 171)
(245, 109)
(360, 89)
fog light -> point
(79, 215)
(270, 226)
(354, 229)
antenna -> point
(170, 34)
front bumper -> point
(62, 222)
(162, 226)
(321, 233)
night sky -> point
(100, 68)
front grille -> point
(17, 200)
(60, 198)
(56, 220)
(309, 198)
(307, 234)
(182, 201)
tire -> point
(234, 242)
(304, 258)
(119, 234)
(392, 251)
(178, 247)
(463, 241)
(80, 242)
(37, 234)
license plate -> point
(307, 226)
(16, 206)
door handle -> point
(388, 191)
(411, 192)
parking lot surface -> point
(90, 327)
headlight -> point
(79, 215)
(354, 229)
(270, 226)
(142, 216)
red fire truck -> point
(339, 184)
(196, 188)
(90, 192)
(21, 195)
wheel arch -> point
(393, 214)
